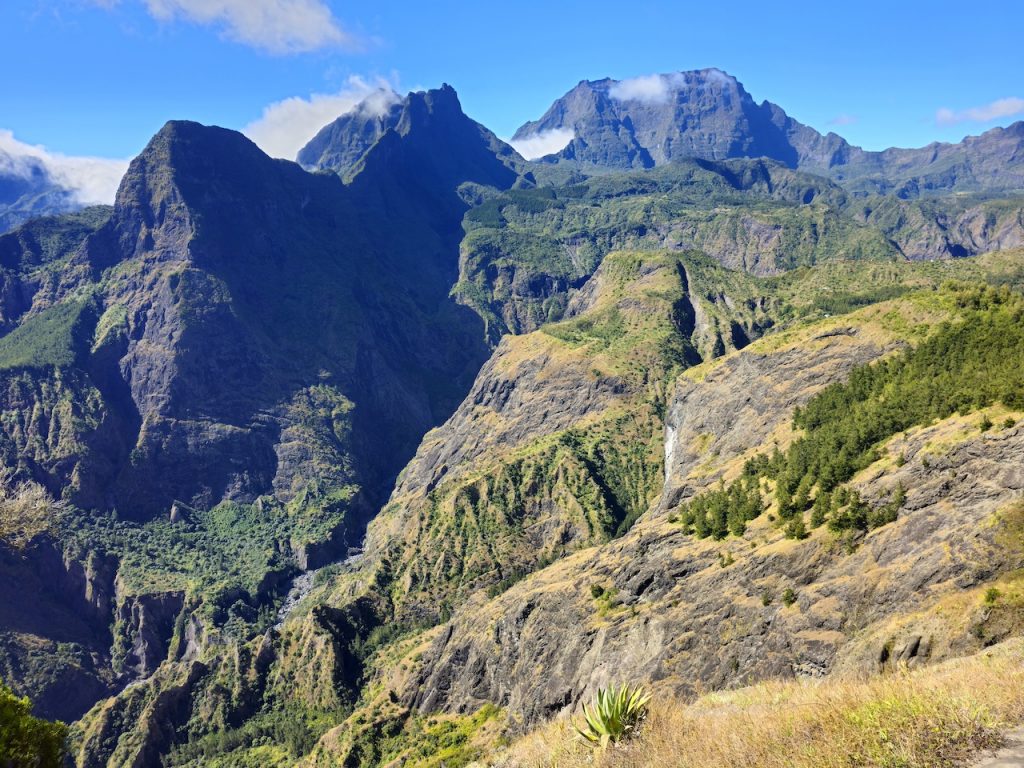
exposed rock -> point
(56, 611)
(670, 613)
(138, 726)
(708, 114)
(147, 624)
(539, 459)
(194, 390)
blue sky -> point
(99, 77)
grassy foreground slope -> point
(927, 718)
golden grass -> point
(928, 718)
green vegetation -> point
(421, 742)
(47, 242)
(524, 249)
(27, 741)
(232, 559)
(962, 367)
(54, 337)
(614, 714)
(276, 737)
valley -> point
(398, 454)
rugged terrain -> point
(533, 394)
(707, 114)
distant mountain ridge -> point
(27, 190)
(708, 114)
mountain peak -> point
(662, 88)
(427, 129)
(645, 121)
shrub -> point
(27, 740)
(991, 595)
(614, 714)
(795, 528)
(788, 597)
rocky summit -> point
(708, 114)
(402, 453)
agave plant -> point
(614, 713)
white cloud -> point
(544, 143)
(649, 89)
(992, 111)
(715, 75)
(658, 89)
(90, 179)
(286, 126)
(275, 26)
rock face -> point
(525, 251)
(556, 446)
(341, 144)
(685, 613)
(235, 329)
(219, 333)
(926, 229)
(147, 626)
(56, 610)
(444, 145)
(707, 114)
(241, 343)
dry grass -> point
(931, 718)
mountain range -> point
(707, 114)
(394, 454)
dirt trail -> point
(1010, 756)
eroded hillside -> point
(694, 427)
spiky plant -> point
(614, 713)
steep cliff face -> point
(573, 446)
(685, 613)
(655, 120)
(945, 228)
(526, 250)
(651, 121)
(56, 611)
(556, 446)
(240, 352)
(199, 358)
(426, 132)
(226, 373)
